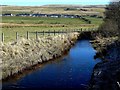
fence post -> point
(36, 35)
(2, 37)
(43, 33)
(16, 36)
(81, 29)
(54, 32)
(27, 35)
(49, 33)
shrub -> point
(111, 25)
(109, 28)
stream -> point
(72, 71)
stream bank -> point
(72, 71)
(106, 74)
(23, 54)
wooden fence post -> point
(36, 35)
(49, 33)
(16, 36)
(27, 35)
(58, 32)
(54, 32)
(43, 33)
(81, 29)
(2, 37)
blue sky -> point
(46, 2)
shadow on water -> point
(72, 71)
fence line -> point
(49, 32)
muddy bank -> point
(106, 74)
(19, 56)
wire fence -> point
(36, 34)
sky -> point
(47, 2)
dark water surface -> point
(73, 71)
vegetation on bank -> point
(106, 74)
(111, 25)
(20, 56)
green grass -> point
(95, 20)
(69, 24)
(45, 24)
(10, 33)
(42, 20)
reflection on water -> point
(73, 71)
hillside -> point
(56, 9)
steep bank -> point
(26, 53)
(106, 74)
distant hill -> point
(56, 9)
(76, 6)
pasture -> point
(11, 25)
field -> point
(55, 9)
(42, 20)
(13, 24)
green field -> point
(42, 20)
(17, 24)
(94, 20)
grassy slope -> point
(47, 23)
(51, 9)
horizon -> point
(58, 5)
(53, 2)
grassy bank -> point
(25, 53)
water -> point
(72, 71)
